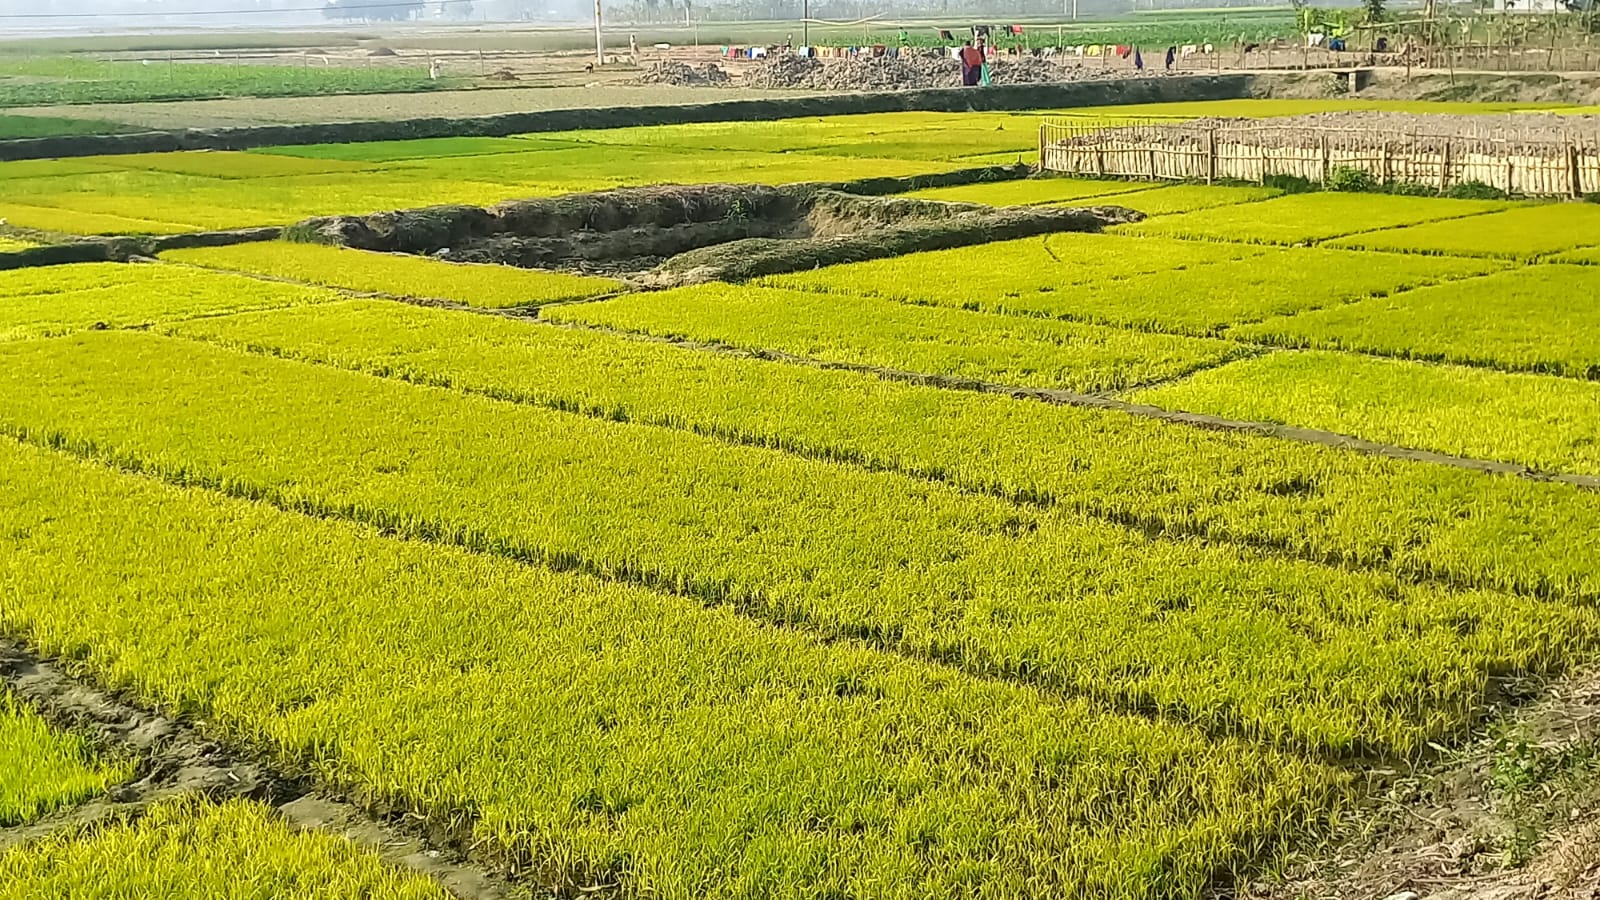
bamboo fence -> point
(1546, 166)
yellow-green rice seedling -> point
(1032, 192)
(420, 148)
(192, 849)
(1307, 218)
(1193, 293)
(1582, 256)
(42, 769)
(50, 218)
(1536, 420)
(649, 744)
(977, 276)
(400, 275)
(120, 295)
(1179, 198)
(1236, 640)
(13, 245)
(1206, 299)
(1520, 233)
(872, 331)
(1534, 319)
(213, 164)
(1313, 502)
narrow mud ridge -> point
(176, 760)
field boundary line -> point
(176, 760)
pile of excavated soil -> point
(683, 75)
(866, 73)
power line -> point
(233, 12)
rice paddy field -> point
(1105, 565)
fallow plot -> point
(651, 744)
(1535, 319)
(1312, 501)
(883, 333)
(1539, 421)
(1281, 650)
(1520, 233)
(43, 769)
(1307, 218)
(488, 286)
(121, 295)
(192, 849)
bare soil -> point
(1511, 816)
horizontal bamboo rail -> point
(1567, 165)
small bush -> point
(1346, 178)
(1475, 190)
(1290, 184)
(1413, 189)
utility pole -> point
(805, 23)
(599, 40)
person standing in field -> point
(971, 64)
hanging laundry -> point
(1092, 50)
(1210, 48)
(1188, 50)
(1015, 29)
(946, 35)
(1123, 50)
(1138, 60)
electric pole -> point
(599, 41)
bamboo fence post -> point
(1325, 160)
(1574, 176)
(1386, 164)
(1444, 165)
(1211, 155)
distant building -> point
(1528, 6)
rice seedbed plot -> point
(1539, 421)
(944, 134)
(1283, 650)
(1308, 218)
(119, 295)
(869, 331)
(1533, 319)
(1198, 288)
(1029, 191)
(1029, 158)
(1586, 256)
(192, 849)
(1179, 198)
(47, 218)
(420, 148)
(227, 164)
(651, 743)
(1519, 233)
(1309, 500)
(13, 245)
(406, 276)
(43, 770)
(985, 275)
(26, 169)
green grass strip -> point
(599, 734)
(43, 770)
(1029, 352)
(1534, 319)
(191, 849)
(1535, 420)
(1280, 650)
(407, 276)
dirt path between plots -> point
(175, 759)
(1512, 815)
